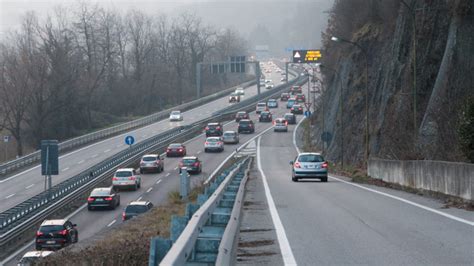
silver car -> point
(126, 178)
(280, 124)
(176, 116)
(214, 144)
(309, 165)
(230, 137)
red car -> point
(295, 90)
(300, 98)
(176, 149)
(241, 115)
(284, 96)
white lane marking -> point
(106, 150)
(294, 135)
(140, 198)
(149, 190)
(29, 186)
(111, 223)
(65, 169)
(176, 168)
(198, 152)
(9, 196)
(452, 217)
(168, 174)
(285, 248)
(118, 146)
(95, 155)
(157, 182)
(81, 161)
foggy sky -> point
(277, 23)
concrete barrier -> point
(450, 178)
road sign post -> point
(6, 139)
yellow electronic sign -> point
(306, 56)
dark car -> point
(56, 234)
(176, 149)
(214, 129)
(241, 115)
(192, 164)
(291, 118)
(300, 98)
(295, 90)
(103, 197)
(152, 163)
(136, 208)
(246, 126)
(265, 117)
(297, 109)
(272, 103)
(284, 97)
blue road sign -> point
(129, 140)
(307, 113)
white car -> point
(126, 178)
(31, 257)
(214, 144)
(176, 116)
(261, 107)
(240, 91)
(269, 86)
(268, 81)
(283, 80)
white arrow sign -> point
(297, 55)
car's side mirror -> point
(291, 162)
(74, 225)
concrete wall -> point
(449, 178)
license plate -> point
(99, 200)
(311, 166)
(50, 242)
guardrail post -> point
(191, 209)
(158, 249)
(178, 223)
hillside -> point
(444, 83)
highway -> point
(155, 187)
(342, 223)
(24, 185)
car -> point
(268, 71)
(262, 106)
(176, 149)
(246, 126)
(280, 124)
(300, 98)
(240, 91)
(234, 98)
(214, 144)
(297, 109)
(152, 162)
(32, 257)
(192, 164)
(230, 137)
(136, 208)
(268, 81)
(290, 103)
(269, 86)
(241, 115)
(309, 165)
(295, 90)
(290, 118)
(176, 116)
(56, 234)
(265, 116)
(214, 129)
(103, 197)
(272, 103)
(283, 79)
(284, 97)
(126, 178)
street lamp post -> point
(367, 151)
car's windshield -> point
(311, 158)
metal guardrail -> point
(67, 145)
(204, 220)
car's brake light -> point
(181, 164)
(89, 199)
(196, 164)
(286, 123)
(206, 143)
(123, 216)
(180, 150)
(108, 198)
(297, 165)
(168, 150)
(325, 165)
(207, 128)
(39, 233)
(273, 122)
(218, 128)
(63, 232)
(132, 178)
(114, 178)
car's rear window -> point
(100, 193)
(291, 100)
(212, 140)
(261, 104)
(46, 229)
(244, 122)
(136, 209)
(149, 158)
(310, 158)
(123, 174)
(189, 161)
(175, 112)
(229, 134)
(241, 114)
(280, 121)
(175, 145)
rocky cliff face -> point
(444, 69)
